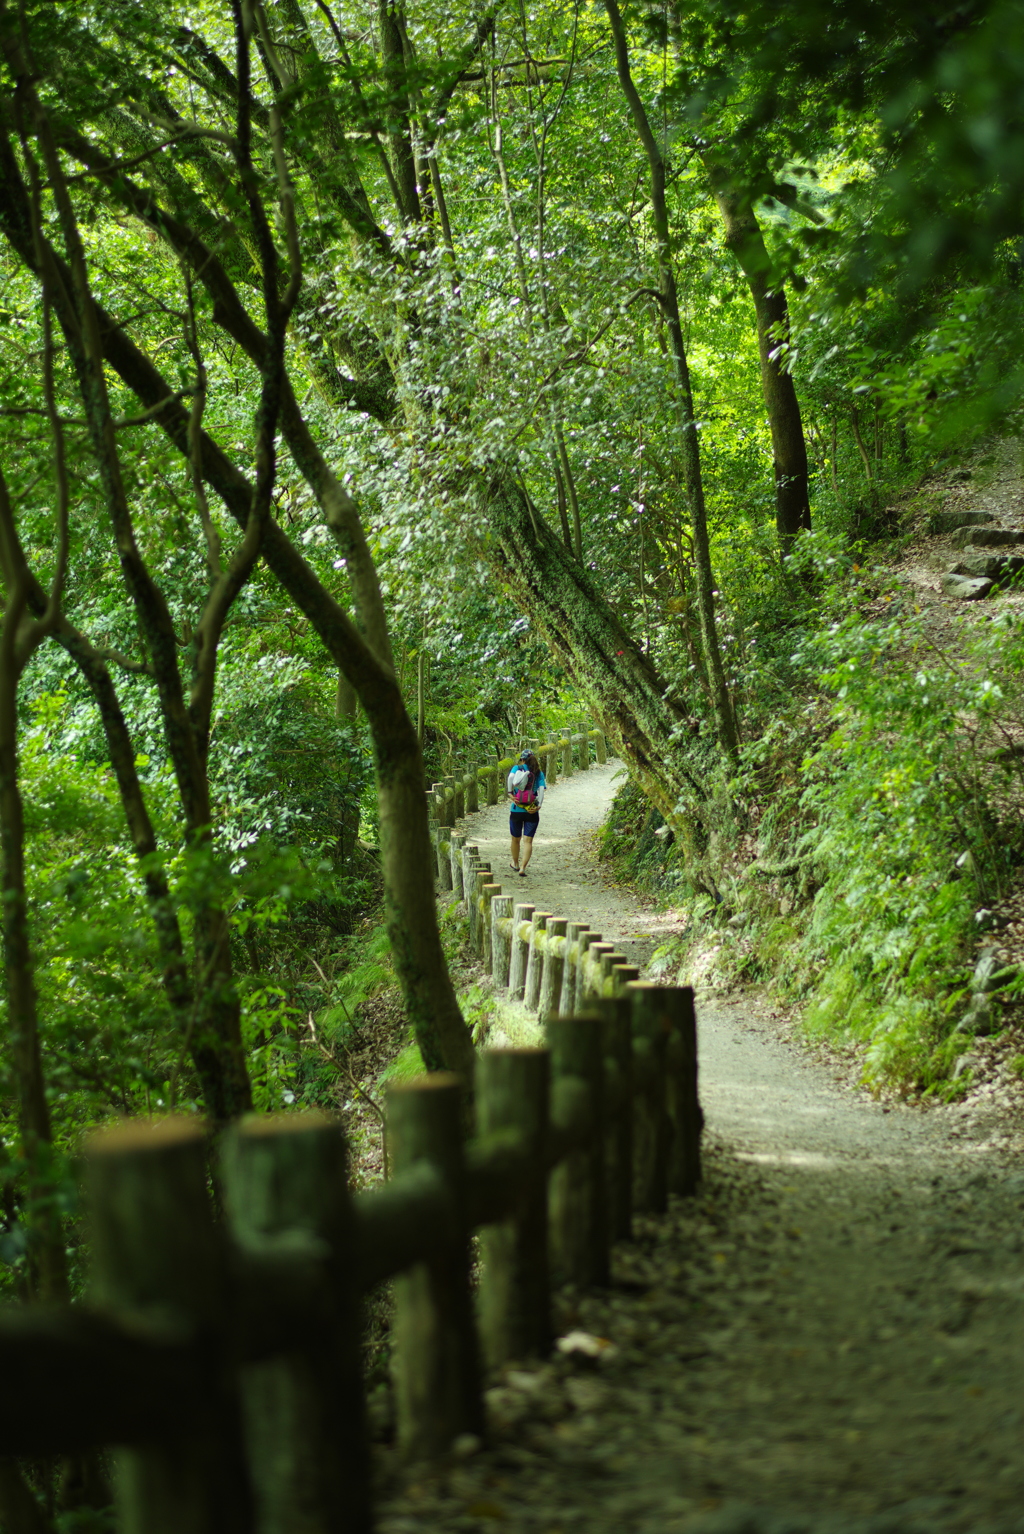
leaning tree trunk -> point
(581, 629)
(744, 239)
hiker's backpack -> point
(523, 790)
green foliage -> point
(910, 828)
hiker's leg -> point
(528, 835)
(515, 851)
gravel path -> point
(829, 1338)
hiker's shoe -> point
(514, 867)
(521, 872)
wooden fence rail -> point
(221, 1356)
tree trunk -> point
(46, 1253)
(689, 443)
(744, 239)
(621, 684)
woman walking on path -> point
(525, 787)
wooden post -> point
(567, 999)
(621, 975)
(592, 972)
(577, 1193)
(609, 962)
(441, 800)
(566, 744)
(617, 1037)
(584, 942)
(535, 961)
(520, 956)
(600, 746)
(513, 1087)
(485, 894)
(435, 1360)
(156, 1248)
(493, 784)
(469, 853)
(443, 854)
(553, 964)
(683, 1101)
(456, 842)
(551, 769)
(481, 875)
(583, 747)
(501, 939)
(651, 1127)
(304, 1410)
(472, 791)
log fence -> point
(219, 1354)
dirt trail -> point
(829, 1338)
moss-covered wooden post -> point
(436, 1360)
(583, 748)
(567, 999)
(535, 961)
(513, 1087)
(471, 789)
(501, 939)
(443, 856)
(551, 767)
(456, 843)
(577, 1192)
(286, 1174)
(520, 957)
(592, 971)
(492, 781)
(586, 939)
(616, 1014)
(566, 748)
(621, 976)
(651, 1127)
(469, 857)
(600, 746)
(488, 892)
(157, 1249)
(609, 966)
(481, 876)
(552, 967)
(441, 802)
(684, 1109)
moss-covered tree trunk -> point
(621, 684)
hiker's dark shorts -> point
(523, 825)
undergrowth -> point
(869, 836)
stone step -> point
(964, 589)
(949, 521)
(990, 567)
(986, 538)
